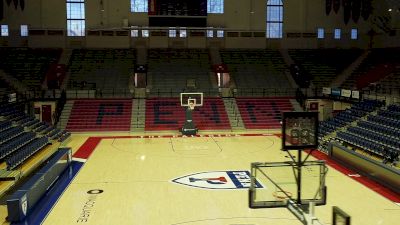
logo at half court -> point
(218, 180)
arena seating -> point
(21, 136)
(28, 65)
(16, 143)
(168, 114)
(256, 68)
(378, 134)
(324, 64)
(172, 68)
(25, 152)
(263, 113)
(101, 68)
(377, 58)
(100, 115)
(347, 116)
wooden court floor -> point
(129, 181)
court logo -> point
(217, 180)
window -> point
(182, 32)
(274, 19)
(354, 34)
(139, 6)
(4, 30)
(145, 33)
(215, 6)
(134, 31)
(320, 33)
(220, 33)
(76, 17)
(172, 32)
(337, 33)
(24, 31)
(210, 33)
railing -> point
(99, 93)
(170, 92)
(263, 92)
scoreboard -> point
(175, 13)
(299, 130)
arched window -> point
(75, 17)
(274, 19)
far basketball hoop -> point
(190, 101)
(195, 98)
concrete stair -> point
(62, 123)
(235, 119)
(138, 115)
(296, 105)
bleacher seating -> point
(324, 64)
(347, 116)
(28, 65)
(101, 68)
(100, 115)
(168, 114)
(14, 144)
(379, 134)
(172, 68)
(10, 133)
(375, 63)
(25, 152)
(21, 136)
(263, 113)
(256, 68)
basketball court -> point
(175, 180)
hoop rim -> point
(282, 195)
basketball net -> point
(191, 106)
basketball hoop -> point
(191, 106)
(282, 195)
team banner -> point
(152, 7)
(346, 93)
(355, 94)
(336, 92)
(326, 90)
(328, 6)
(356, 10)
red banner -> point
(152, 7)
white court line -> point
(79, 159)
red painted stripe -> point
(371, 184)
(87, 148)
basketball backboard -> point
(280, 184)
(196, 98)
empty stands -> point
(28, 65)
(21, 136)
(375, 130)
(101, 68)
(256, 68)
(348, 116)
(324, 64)
(167, 114)
(173, 68)
(263, 113)
(379, 64)
(100, 115)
